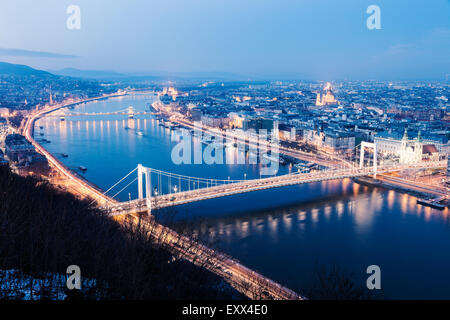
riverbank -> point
(246, 140)
(247, 282)
(66, 178)
(389, 183)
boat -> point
(82, 168)
(64, 155)
(431, 203)
(140, 133)
(62, 119)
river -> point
(283, 233)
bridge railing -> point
(269, 182)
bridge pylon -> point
(373, 146)
(147, 173)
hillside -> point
(21, 70)
(51, 230)
(88, 74)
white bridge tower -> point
(372, 146)
(143, 171)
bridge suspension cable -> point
(190, 178)
(126, 176)
(118, 182)
(124, 187)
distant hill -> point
(89, 74)
(227, 76)
(21, 70)
(213, 76)
(111, 75)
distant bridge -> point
(130, 111)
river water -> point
(283, 233)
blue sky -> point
(306, 39)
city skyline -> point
(221, 153)
(296, 40)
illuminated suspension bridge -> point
(159, 189)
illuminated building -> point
(4, 112)
(413, 151)
(327, 97)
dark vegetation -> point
(43, 231)
(334, 283)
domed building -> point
(327, 97)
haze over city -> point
(252, 39)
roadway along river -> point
(282, 233)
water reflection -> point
(280, 232)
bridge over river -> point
(181, 189)
(159, 189)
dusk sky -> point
(305, 39)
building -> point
(236, 120)
(340, 142)
(17, 147)
(216, 122)
(196, 114)
(287, 132)
(259, 124)
(326, 97)
(4, 112)
(448, 165)
(24, 155)
(408, 150)
(332, 141)
(388, 145)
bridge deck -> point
(180, 198)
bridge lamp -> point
(245, 176)
(175, 189)
(155, 191)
